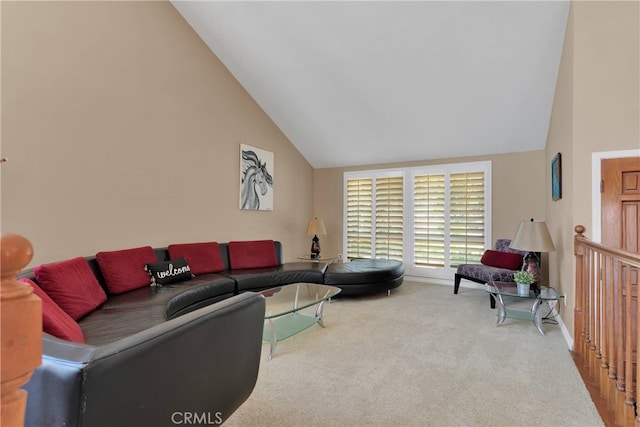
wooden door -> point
(620, 203)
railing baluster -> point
(611, 359)
(579, 308)
(607, 338)
(631, 330)
(606, 326)
(594, 315)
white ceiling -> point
(366, 82)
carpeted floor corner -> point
(421, 357)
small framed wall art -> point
(556, 177)
(256, 179)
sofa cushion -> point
(251, 279)
(175, 270)
(252, 254)
(54, 320)
(202, 257)
(510, 261)
(72, 285)
(361, 271)
(140, 309)
(199, 292)
(123, 270)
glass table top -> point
(511, 289)
(291, 298)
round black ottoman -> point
(362, 276)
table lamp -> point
(533, 237)
(315, 227)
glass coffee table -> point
(543, 297)
(283, 310)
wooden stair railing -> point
(606, 327)
(20, 329)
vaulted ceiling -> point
(368, 82)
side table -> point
(544, 297)
(328, 260)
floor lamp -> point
(533, 237)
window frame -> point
(409, 174)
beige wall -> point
(518, 193)
(560, 214)
(596, 109)
(122, 129)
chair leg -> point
(492, 301)
(456, 283)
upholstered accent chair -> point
(496, 265)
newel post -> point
(579, 314)
(20, 329)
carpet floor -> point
(420, 357)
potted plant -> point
(523, 279)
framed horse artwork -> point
(256, 178)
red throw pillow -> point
(72, 285)
(508, 260)
(252, 254)
(54, 320)
(202, 257)
(123, 270)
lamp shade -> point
(533, 236)
(315, 227)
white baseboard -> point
(565, 333)
(445, 282)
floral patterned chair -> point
(496, 265)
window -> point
(359, 218)
(374, 216)
(467, 216)
(432, 218)
(429, 220)
(389, 217)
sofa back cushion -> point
(202, 257)
(123, 270)
(72, 285)
(508, 260)
(252, 254)
(54, 320)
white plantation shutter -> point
(359, 217)
(389, 217)
(466, 218)
(429, 220)
(439, 220)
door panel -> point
(620, 201)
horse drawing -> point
(254, 176)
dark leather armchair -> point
(202, 365)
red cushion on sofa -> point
(54, 320)
(72, 285)
(252, 254)
(123, 270)
(509, 260)
(202, 257)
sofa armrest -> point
(204, 363)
